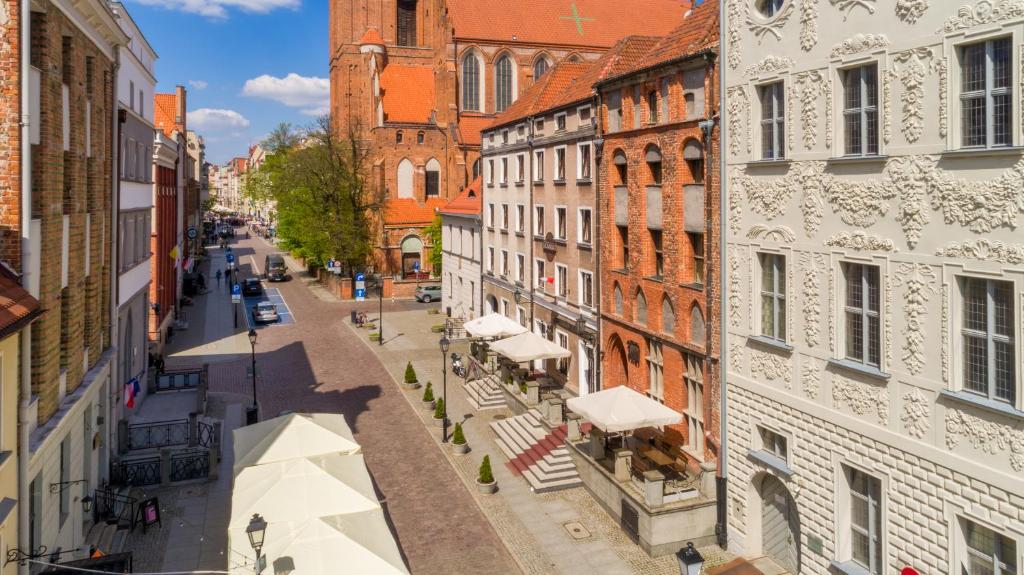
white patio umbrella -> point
(290, 436)
(493, 325)
(356, 543)
(621, 408)
(528, 346)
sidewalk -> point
(532, 526)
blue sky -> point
(247, 64)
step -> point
(535, 453)
(539, 485)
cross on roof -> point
(576, 18)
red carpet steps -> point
(536, 453)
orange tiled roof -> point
(409, 211)
(408, 93)
(697, 32)
(372, 36)
(164, 107)
(591, 23)
(17, 306)
(543, 93)
(470, 126)
(467, 203)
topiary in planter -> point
(458, 438)
(439, 409)
(428, 393)
(410, 374)
(374, 336)
(439, 328)
(486, 475)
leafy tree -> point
(282, 138)
(433, 235)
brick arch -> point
(696, 325)
(641, 314)
(480, 82)
(617, 368)
(405, 179)
(544, 57)
(620, 161)
(690, 148)
(668, 322)
(618, 301)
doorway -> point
(780, 525)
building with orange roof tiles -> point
(418, 79)
(460, 254)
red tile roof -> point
(17, 306)
(590, 23)
(408, 93)
(164, 107)
(372, 36)
(467, 203)
(409, 211)
(696, 33)
(470, 126)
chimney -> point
(179, 98)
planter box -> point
(438, 422)
(437, 329)
(429, 405)
(487, 488)
(410, 386)
(460, 449)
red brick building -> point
(416, 80)
(168, 212)
(658, 216)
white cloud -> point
(219, 8)
(217, 120)
(198, 84)
(309, 94)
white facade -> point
(460, 265)
(875, 284)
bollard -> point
(575, 432)
(532, 393)
(623, 461)
(654, 488)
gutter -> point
(722, 480)
(25, 359)
(115, 283)
(595, 223)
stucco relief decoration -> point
(858, 203)
(780, 234)
(808, 24)
(831, 306)
(739, 116)
(910, 10)
(771, 367)
(826, 88)
(985, 250)
(763, 26)
(736, 10)
(912, 67)
(736, 202)
(861, 398)
(919, 280)
(735, 295)
(860, 241)
(910, 175)
(981, 206)
(770, 65)
(847, 6)
(984, 12)
(917, 413)
(886, 104)
(810, 377)
(860, 43)
(810, 296)
(736, 357)
(809, 177)
(810, 85)
(790, 105)
(941, 67)
(767, 197)
(945, 333)
(985, 436)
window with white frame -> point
(542, 279)
(986, 91)
(774, 443)
(693, 378)
(560, 122)
(520, 168)
(490, 172)
(504, 171)
(521, 315)
(863, 322)
(505, 308)
(490, 259)
(560, 222)
(563, 342)
(504, 263)
(865, 528)
(583, 161)
(987, 328)
(584, 227)
(538, 126)
(586, 288)
(504, 216)
(520, 218)
(504, 136)
(538, 165)
(860, 110)
(521, 268)
(655, 371)
(985, 551)
(490, 215)
(773, 125)
(584, 115)
(538, 220)
(773, 295)
(560, 164)
(561, 280)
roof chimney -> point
(179, 114)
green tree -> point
(433, 235)
(458, 438)
(486, 475)
(282, 138)
(410, 373)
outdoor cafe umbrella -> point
(621, 408)
(291, 436)
(493, 325)
(528, 346)
(355, 543)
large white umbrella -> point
(291, 436)
(493, 325)
(528, 346)
(357, 544)
(621, 408)
(301, 489)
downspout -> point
(597, 227)
(25, 359)
(115, 287)
(721, 482)
(532, 264)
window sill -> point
(490, 273)
(584, 246)
(771, 342)
(538, 237)
(561, 241)
(520, 183)
(503, 185)
(982, 403)
(521, 234)
(848, 568)
(584, 181)
(766, 162)
(868, 159)
(693, 286)
(490, 228)
(771, 461)
(859, 368)
(975, 152)
(538, 182)
(504, 232)
(658, 279)
(558, 182)
(622, 271)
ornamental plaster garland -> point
(768, 197)
(986, 436)
(916, 416)
(781, 234)
(826, 88)
(912, 66)
(735, 11)
(984, 12)
(860, 43)
(810, 377)
(886, 104)
(736, 357)
(762, 27)
(910, 10)
(810, 85)
(739, 116)
(861, 398)
(810, 296)
(808, 24)
(771, 367)
(920, 285)
(941, 67)
(770, 65)
(735, 295)
(984, 249)
(861, 241)
(945, 333)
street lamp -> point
(518, 295)
(690, 560)
(380, 310)
(252, 415)
(87, 504)
(256, 530)
(444, 343)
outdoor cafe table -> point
(655, 455)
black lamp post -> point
(690, 560)
(256, 530)
(380, 310)
(252, 414)
(444, 343)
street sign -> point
(236, 298)
(360, 287)
(416, 266)
(192, 233)
(230, 257)
(236, 289)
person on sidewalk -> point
(218, 276)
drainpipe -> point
(597, 227)
(115, 291)
(721, 482)
(529, 233)
(25, 359)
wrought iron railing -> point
(187, 465)
(109, 506)
(205, 435)
(137, 472)
(158, 434)
(174, 380)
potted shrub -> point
(374, 336)
(410, 381)
(428, 396)
(485, 480)
(459, 444)
(439, 413)
(439, 328)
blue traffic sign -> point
(230, 258)
(360, 277)
(416, 266)
(236, 289)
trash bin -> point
(355, 315)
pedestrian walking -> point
(218, 276)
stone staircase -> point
(107, 536)
(536, 453)
(484, 393)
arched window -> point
(573, 58)
(399, 136)
(433, 182)
(406, 22)
(618, 300)
(653, 158)
(641, 308)
(693, 153)
(668, 317)
(476, 169)
(503, 83)
(405, 174)
(540, 67)
(697, 334)
(471, 82)
(621, 166)
(412, 253)
(421, 136)
(492, 304)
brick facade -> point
(162, 288)
(10, 135)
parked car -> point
(251, 286)
(427, 294)
(264, 312)
(275, 268)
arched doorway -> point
(412, 253)
(780, 524)
(492, 304)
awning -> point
(493, 325)
(292, 436)
(622, 409)
(529, 346)
(356, 543)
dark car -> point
(252, 286)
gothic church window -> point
(406, 22)
(503, 83)
(470, 82)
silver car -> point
(427, 294)
(264, 312)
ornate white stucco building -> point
(875, 274)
